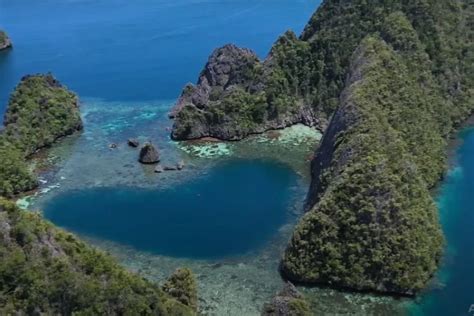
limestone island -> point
(5, 41)
(387, 82)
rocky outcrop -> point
(5, 41)
(182, 286)
(149, 154)
(132, 142)
(288, 302)
(229, 101)
(227, 67)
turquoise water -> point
(233, 209)
(454, 293)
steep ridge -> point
(375, 225)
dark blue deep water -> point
(135, 50)
(236, 207)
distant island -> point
(5, 41)
(387, 82)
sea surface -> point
(229, 213)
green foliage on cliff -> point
(44, 270)
(375, 225)
(15, 176)
(39, 112)
(182, 286)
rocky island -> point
(5, 41)
(387, 82)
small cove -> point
(233, 209)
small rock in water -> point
(159, 169)
(132, 142)
(170, 168)
(113, 146)
(149, 154)
(180, 165)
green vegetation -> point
(182, 286)
(39, 112)
(44, 270)
(15, 176)
(375, 226)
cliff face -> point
(229, 101)
(44, 270)
(5, 41)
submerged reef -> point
(387, 82)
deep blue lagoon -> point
(235, 208)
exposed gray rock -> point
(132, 142)
(159, 169)
(149, 154)
(224, 69)
(288, 302)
